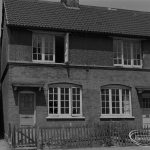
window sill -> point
(125, 66)
(116, 117)
(45, 62)
(65, 118)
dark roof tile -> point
(54, 15)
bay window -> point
(116, 101)
(127, 53)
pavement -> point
(111, 148)
(118, 148)
(4, 146)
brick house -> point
(63, 63)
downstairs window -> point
(65, 101)
(116, 101)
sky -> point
(141, 5)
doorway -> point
(27, 112)
(145, 106)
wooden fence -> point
(97, 135)
(22, 137)
(85, 136)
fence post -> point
(38, 138)
(14, 137)
(9, 133)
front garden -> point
(67, 137)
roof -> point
(54, 15)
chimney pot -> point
(71, 3)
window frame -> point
(43, 36)
(132, 42)
(70, 114)
(110, 114)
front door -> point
(27, 108)
(145, 105)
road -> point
(4, 146)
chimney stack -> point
(71, 3)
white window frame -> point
(75, 115)
(66, 47)
(120, 115)
(131, 50)
(70, 115)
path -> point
(4, 145)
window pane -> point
(37, 47)
(62, 110)
(105, 101)
(103, 111)
(78, 111)
(137, 53)
(55, 110)
(34, 42)
(78, 103)
(50, 90)
(62, 104)
(49, 48)
(76, 100)
(67, 110)
(115, 101)
(34, 56)
(67, 97)
(51, 111)
(125, 101)
(34, 50)
(117, 51)
(145, 101)
(74, 111)
(67, 103)
(50, 104)
(127, 52)
(53, 101)
(39, 56)
(74, 104)
(55, 104)
(64, 100)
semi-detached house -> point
(63, 63)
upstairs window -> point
(50, 48)
(127, 53)
(65, 101)
(116, 101)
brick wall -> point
(20, 37)
(90, 42)
(20, 53)
(90, 57)
(85, 49)
(91, 81)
